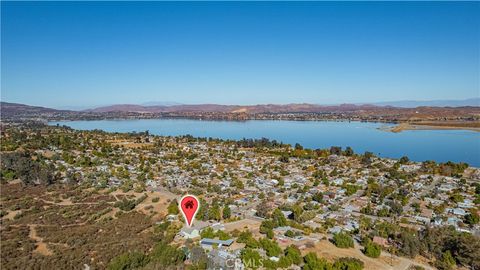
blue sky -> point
(95, 53)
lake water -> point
(418, 145)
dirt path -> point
(67, 202)
(11, 214)
(41, 246)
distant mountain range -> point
(160, 103)
(430, 103)
(156, 107)
(172, 107)
(166, 107)
(354, 112)
(148, 106)
(263, 108)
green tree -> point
(271, 247)
(477, 188)
(368, 210)
(343, 240)
(238, 184)
(125, 205)
(298, 146)
(404, 160)
(335, 150)
(251, 258)
(284, 262)
(297, 212)
(456, 198)
(214, 212)
(294, 254)
(227, 213)
(207, 233)
(266, 226)
(167, 255)
(348, 151)
(312, 262)
(290, 233)
(447, 262)
(262, 209)
(281, 182)
(223, 235)
(278, 218)
(472, 218)
(372, 250)
(367, 157)
(203, 210)
(318, 197)
(410, 244)
(246, 237)
(347, 263)
(351, 189)
(132, 260)
(173, 207)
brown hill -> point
(263, 108)
(14, 109)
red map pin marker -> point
(189, 205)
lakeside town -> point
(422, 117)
(94, 200)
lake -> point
(418, 145)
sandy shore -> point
(429, 126)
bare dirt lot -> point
(244, 224)
(326, 249)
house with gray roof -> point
(208, 243)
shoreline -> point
(427, 126)
(388, 127)
(398, 127)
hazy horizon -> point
(398, 103)
(90, 54)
